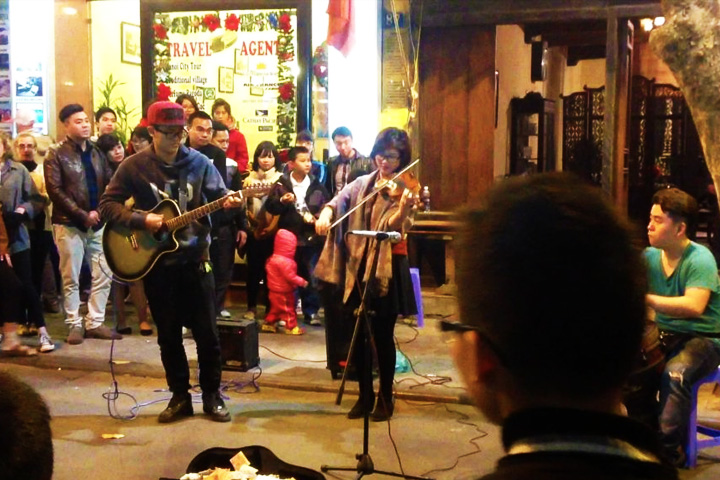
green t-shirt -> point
(697, 268)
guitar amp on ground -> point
(238, 344)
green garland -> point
(280, 21)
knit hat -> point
(166, 113)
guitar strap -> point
(182, 191)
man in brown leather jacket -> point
(76, 174)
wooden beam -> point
(617, 89)
(585, 52)
(446, 13)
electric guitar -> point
(132, 253)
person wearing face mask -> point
(261, 226)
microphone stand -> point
(365, 465)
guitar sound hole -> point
(161, 235)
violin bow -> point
(372, 194)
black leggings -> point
(10, 295)
(22, 264)
(382, 324)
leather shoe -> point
(383, 410)
(214, 406)
(180, 406)
(358, 410)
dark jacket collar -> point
(566, 422)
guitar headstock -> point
(258, 189)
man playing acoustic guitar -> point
(180, 286)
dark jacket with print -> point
(149, 180)
(66, 184)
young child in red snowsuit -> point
(282, 280)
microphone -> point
(394, 237)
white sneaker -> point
(225, 314)
(46, 344)
(281, 323)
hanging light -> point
(647, 24)
(659, 21)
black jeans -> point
(43, 246)
(258, 252)
(693, 358)
(184, 295)
(222, 256)
(306, 258)
(22, 264)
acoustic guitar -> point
(132, 253)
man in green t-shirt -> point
(684, 293)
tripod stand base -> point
(365, 466)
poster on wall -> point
(246, 57)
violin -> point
(406, 181)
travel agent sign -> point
(246, 57)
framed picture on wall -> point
(242, 63)
(129, 43)
(226, 80)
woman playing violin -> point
(346, 262)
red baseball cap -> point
(166, 113)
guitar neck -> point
(185, 219)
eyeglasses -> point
(459, 327)
(177, 133)
(389, 157)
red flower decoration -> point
(284, 22)
(160, 31)
(287, 91)
(286, 56)
(212, 22)
(163, 92)
(232, 22)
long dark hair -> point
(189, 98)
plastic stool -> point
(415, 277)
(694, 429)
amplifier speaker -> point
(238, 344)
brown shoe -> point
(75, 336)
(102, 333)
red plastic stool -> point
(694, 429)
